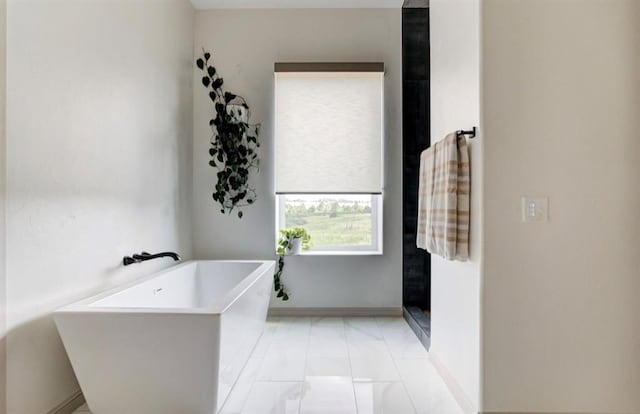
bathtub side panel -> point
(144, 363)
(241, 326)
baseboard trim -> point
(69, 405)
(456, 390)
(335, 312)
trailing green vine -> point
(234, 142)
(285, 245)
(277, 284)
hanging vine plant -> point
(234, 142)
(291, 241)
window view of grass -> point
(336, 220)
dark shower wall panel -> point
(416, 262)
(415, 43)
(415, 138)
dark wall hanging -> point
(234, 142)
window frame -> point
(377, 198)
(374, 249)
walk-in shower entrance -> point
(415, 138)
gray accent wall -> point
(245, 44)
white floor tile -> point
(328, 322)
(362, 329)
(338, 366)
(393, 324)
(328, 395)
(293, 345)
(393, 328)
(328, 367)
(368, 348)
(327, 347)
(263, 345)
(406, 347)
(382, 398)
(378, 368)
(400, 339)
(327, 338)
(265, 340)
(274, 398)
(426, 388)
(291, 327)
(291, 335)
(240, 391)
(282, 363)
(328, 332)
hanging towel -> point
(443, 199)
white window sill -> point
(341, 253)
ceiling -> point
(296, 4)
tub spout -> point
(144, 256)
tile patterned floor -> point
(338, 366)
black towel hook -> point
(471, 134)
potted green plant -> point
(291, 242)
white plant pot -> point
(296, 245)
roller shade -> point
(329, 128)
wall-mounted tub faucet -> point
(137, 258)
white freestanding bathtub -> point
(170, 343)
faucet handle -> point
(144, 256)
(127, 260)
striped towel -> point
(443, 199)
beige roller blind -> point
(329, 129)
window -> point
(338, 223)
(329, 154)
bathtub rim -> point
(83, 306)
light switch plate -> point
(535, 209)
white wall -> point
(99, 149)
(245, 44)
(455, 104)
(3, 169)
(561, 99)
